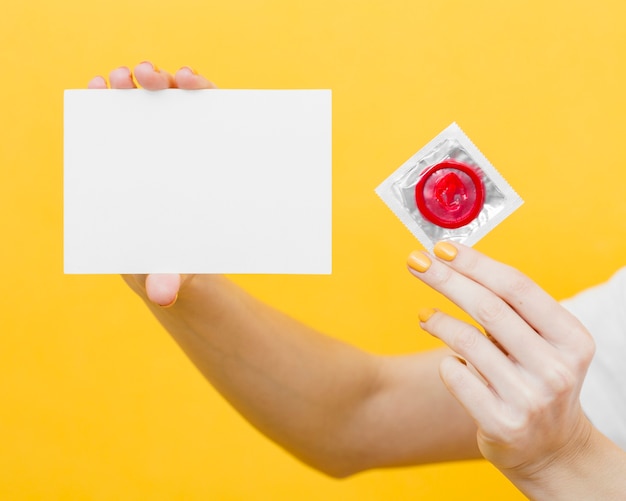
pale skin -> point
(511, 396)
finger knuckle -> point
(559, 379)
(471, 261)
(585, 347)
(588, 352)
(518, 284)
(464, 338)
(440, 275)
(489, 309)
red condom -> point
(450, 194)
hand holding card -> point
(203, 181)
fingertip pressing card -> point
(448, 190)
(210, 181)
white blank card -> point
(209, 181)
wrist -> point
(589, 466)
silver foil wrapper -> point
(465, 199)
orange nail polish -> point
(425, 314)
(191, 69)
(445, 251)
(419, 261)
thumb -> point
(162, 288)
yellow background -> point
(96, 402)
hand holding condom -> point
(521, 382)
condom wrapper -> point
(448, 190)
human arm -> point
(521, 383)
(334, 406)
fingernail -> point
(97, 82)
(190, 69)
(154, 66)
(425, 314)
(418, 261)
(172, 303)
(445, 251)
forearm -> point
(276, 372)
(334, 406)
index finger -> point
(538, 308)
(498, 318)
